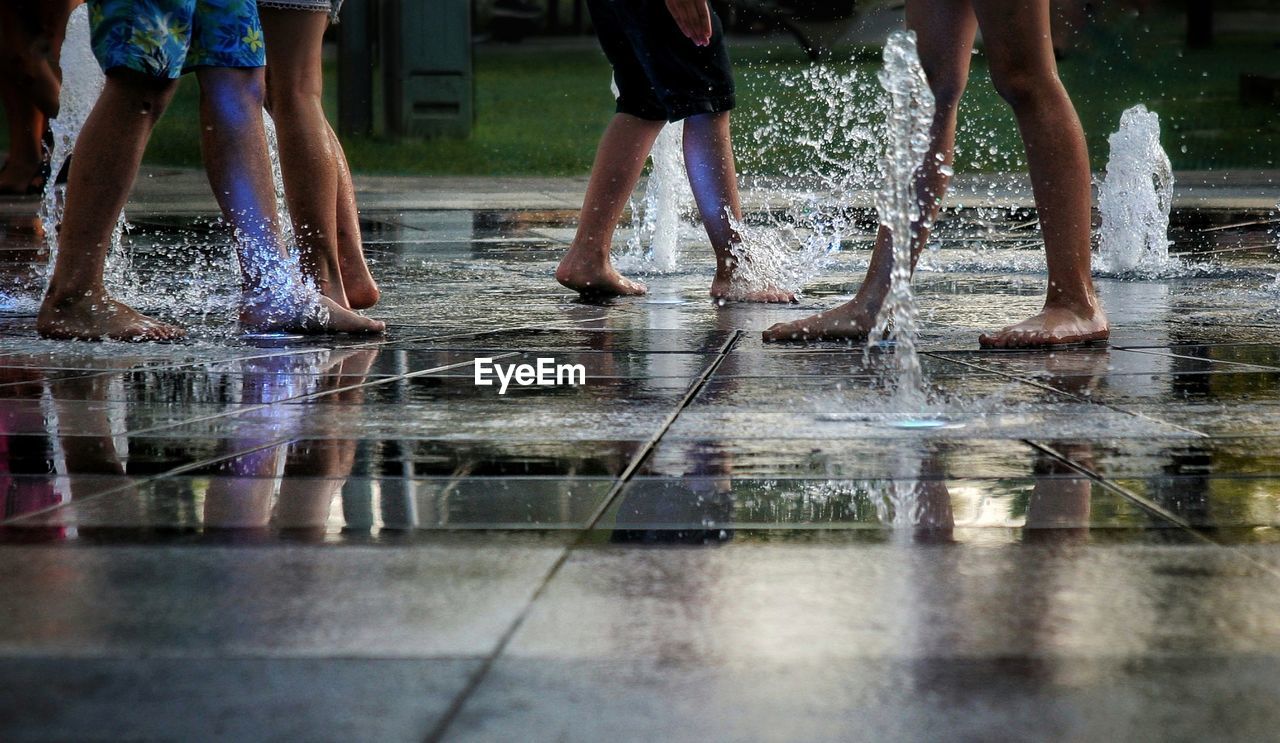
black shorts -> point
(661, 74)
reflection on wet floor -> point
(710, 427)
(1064, 482)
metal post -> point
(427, 68)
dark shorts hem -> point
(176, 73)
(641, 111)
(678, 111)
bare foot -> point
(1054, 326)
(362, 291)
(587, 275)
(334, 290)
(850, 321)
(722, 290)
(262, 317)
(99, 318)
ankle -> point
(62, 297)
(871, 297)
(1082, 303)
(726, 263)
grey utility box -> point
(429, 81)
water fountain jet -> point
(911, 110)
(1135, 198)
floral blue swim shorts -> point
(166, 38)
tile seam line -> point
(176, 471)
(1147, 351)
(441, 728)
(1077, 398)
(1149, 505)
(1145, 503)
(310, 396)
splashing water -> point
(821, 119)
(277, 179)
(654, 247)
(1135, 198)
(768, 258)
(1275, 287)
(82, 83)
(667, 204)
(278, 291)
(911, 109)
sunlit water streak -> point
(911, 110)
(82, 83)
(666, 207)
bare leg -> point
(234, 145)
(945, 32)
(1024, 71)
(31, 33)
(46, 25)
(107, 159)
(307, 158)
(362, 291)
(316, 470)
(26, 122)
(708, 158)
(619, 161)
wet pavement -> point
(711, 538)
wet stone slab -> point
(977, 406)
(451, 597)
(57, 698)
(719, 642)
(324, 538)
(873, 457)
(319, 507)
(933, 506)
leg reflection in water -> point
(291, 485)
(61, 441)
(1059, 507)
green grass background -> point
(540, 111)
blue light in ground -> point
(272, 336)
(924, 423)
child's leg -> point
(234, 146)
(108, 154)
(1025, 74)
(708, 158)
(26, 123)
(619, 162)
(362, 290)
(47, 20)
(945, 31)
(307, 160)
